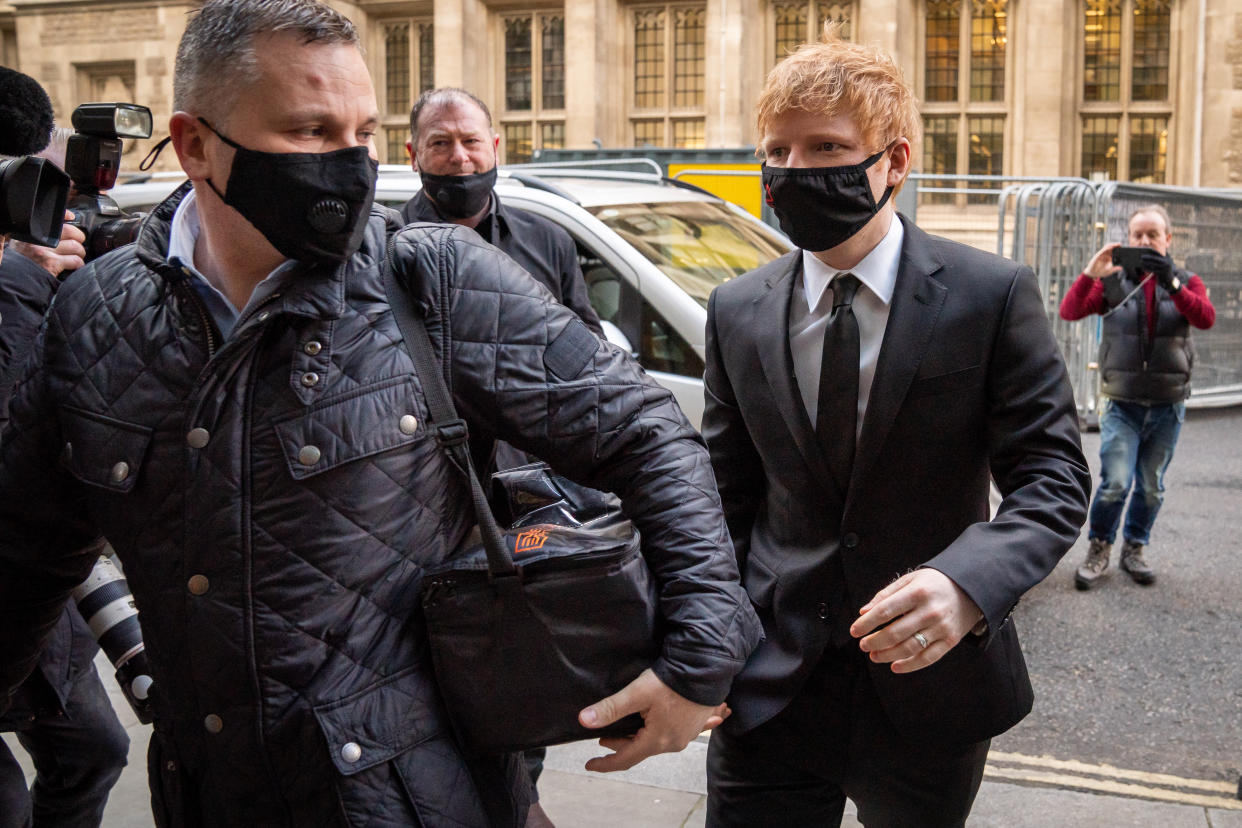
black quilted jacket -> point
(274, 505)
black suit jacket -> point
(969, 383)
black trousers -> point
(77, 757)
(834, 741)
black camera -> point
(106, 603)
(32, 200)
(93, 159)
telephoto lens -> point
(106, 603)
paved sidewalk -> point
(667, 792)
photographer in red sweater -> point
(1146, 356)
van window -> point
(698, 244)
(659, 346)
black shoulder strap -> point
(451, 431)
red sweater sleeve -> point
(1192, 300)
(1085, 297)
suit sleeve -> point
(736, 461)
(1036, 460)
(527, 370)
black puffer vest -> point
(1134, 366)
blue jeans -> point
(1136, 445)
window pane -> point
(987, 152)
(552, 48)
(1151, 51)
(1149, 144)
(517, 63)
(649, 132)
(791, 23)
(688, 134)
(943, 36)
(689, 47)
(940, 145)
(1102, 51)
(837, 13)
(517, 143)
(397, 67)
(426, 57)
(1099, 148)
(649, 58)
(939, 154)
(989, 34)
(552, 135)
(394, 143)
(987, 145)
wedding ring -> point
(922, 639)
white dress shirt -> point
(811, 304)
(183, 236)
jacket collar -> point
(917, 302)
(314, 292)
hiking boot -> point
(1134, 565)
(1093, 568)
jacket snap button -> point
(312, 347)
(850, 540)
(198, 584)
(213, 723)
(120, 471)
(264, 315)
(408, 424)
(197, 438)
(822, 609)
(309, 455)
(351, 752)
(310, 379)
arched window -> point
(965, 90)
(802, 21)
(1125, 107)
(667, 100)
(533, 112)
(409, 70)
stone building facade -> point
(1142, 90)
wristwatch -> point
(1175, 284)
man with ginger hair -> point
(859, 393)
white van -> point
(651, 251)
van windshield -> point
(698, 244)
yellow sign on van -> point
(743, 190)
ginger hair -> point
(835, 76)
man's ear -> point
(496, 147)
(189, 140)
(899, 162)
(409, 153)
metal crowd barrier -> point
(1055, 225)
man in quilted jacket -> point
(229, 402)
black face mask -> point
(311, 206)
(459, 196)
(821, 207)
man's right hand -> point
(670, 722)
(70, 254)
(1102, 263)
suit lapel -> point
(917, 301)
(772, 341)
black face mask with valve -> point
(310, 206)
(821, 207)
(459, 196)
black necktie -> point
(836, 421)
